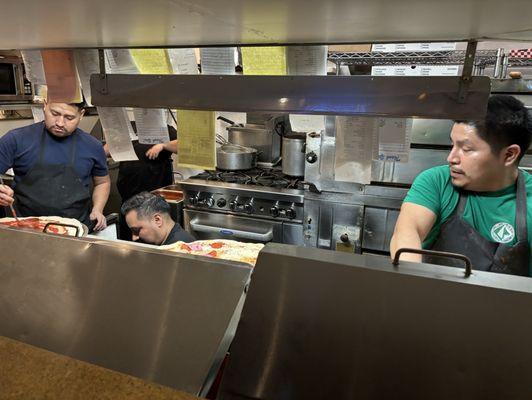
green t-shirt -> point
(492, 214)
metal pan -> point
(230, 157)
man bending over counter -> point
(148, 217)
(477, 204)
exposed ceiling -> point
(26, 24)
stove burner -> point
(234, 177)
(266, 177)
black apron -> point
(53, 189)
(457, 236)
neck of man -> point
(168, 226)
(506, 177)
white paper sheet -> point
(355, 138)
(307, 123)
(38, 113)
(151, 125)
(34, 66)
(120, 61)
(218, 60)
(87, 63)
(415, 70)
(183, 61)
(117, 131)
(306, 60)
(394, 139)
(399, 47)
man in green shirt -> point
(477, 205)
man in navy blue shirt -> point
(55, 163)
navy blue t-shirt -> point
(19, 149)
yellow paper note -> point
(152, 61)
(268, 60)
(197, 145)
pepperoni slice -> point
(217, 245)
(212, 253)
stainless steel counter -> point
(153, 314)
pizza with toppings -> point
(223, 249)
(39, 223)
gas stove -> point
(265, 177)
(258, 205)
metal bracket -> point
(103, 74)
(466, 78)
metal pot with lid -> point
(294, 154)
(231, 157)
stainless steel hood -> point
(140, 23)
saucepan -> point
(232, 157)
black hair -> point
(146, 204)
(507, 122)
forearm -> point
(406, 238)
(171, 146)
(100, 195)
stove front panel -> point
(209, 225)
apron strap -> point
(462, 201)
(73, 149)
(520, 208)
(42, 145)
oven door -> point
(208, 225)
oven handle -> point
(262, 237)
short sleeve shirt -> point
(19, 149)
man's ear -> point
(511, 154)
(158, 219)
(81, 113)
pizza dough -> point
(223, 249)
(38, 224)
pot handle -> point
(226, 120)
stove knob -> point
(291, 213)
(221, 203)
(233, 205)
(209, 202)
(274, 211)
(193, 200)
(311, 157)
(248, 208)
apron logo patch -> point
(502, 232)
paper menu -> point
(394, 139)
(218, 60)
(33, 66)
(61, 76)
(197, 145)
(151, 61)
(183, 61)
(120, 61)
(151, 125)
(399, 47)
(306, 60)
(355, 140)
(415, 70)
(118, 132)
(264, 60)
(307, 123)
(87, 63)
(38, 113)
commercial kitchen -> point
(325, 312)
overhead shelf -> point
(36, 24)
(483, 58)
